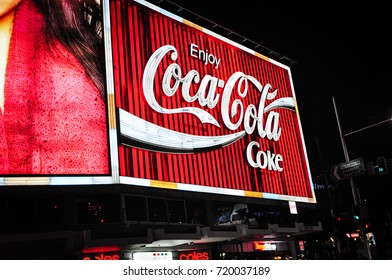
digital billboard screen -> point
(199, 112)
(53, 119)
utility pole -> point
(354, 189)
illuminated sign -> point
(101, 253)
(103, 256)
(193, 105)
(301, 245)
(194, 255)
(352, 235)
(260, 246)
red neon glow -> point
(137, 32)
(194, 255)
(103, 257)
(103, 249)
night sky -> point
(334, 48)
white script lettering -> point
(260, 118)
(204, 55)
(263, 159)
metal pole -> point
(354, 190)
(346, 157)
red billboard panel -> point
(199, 112)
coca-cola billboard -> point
(199, 112)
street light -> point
(354, 190)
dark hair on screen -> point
(77, 24)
